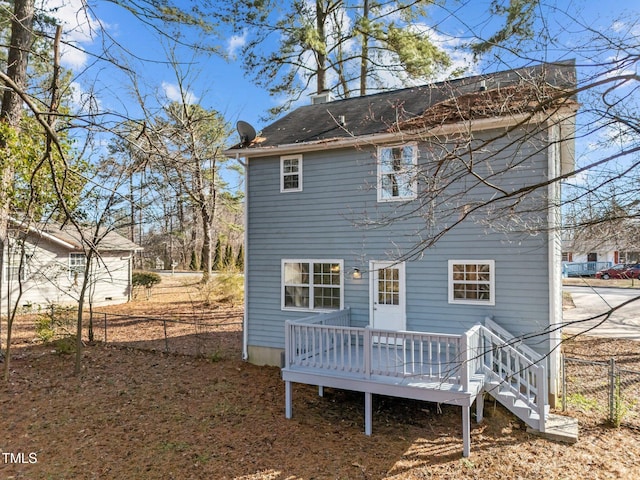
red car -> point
(617, 271)
(633, 271)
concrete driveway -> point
(592, 302)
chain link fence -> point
(601, 391)
(188, 335)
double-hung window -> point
(312, 284)
(77, 263)
(472, 282)
(17, 266)
(397, 172)
(291, 173)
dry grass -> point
(148, 415)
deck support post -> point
(466, 431)
(480, 407)
(367, 413)
(288, 394)
(320, 391)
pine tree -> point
(228, 256)
(240, 258)
(217, 256)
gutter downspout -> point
(555, 274)
(245, 319)
(130, 280)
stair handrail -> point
(540, 375)
(510, 339)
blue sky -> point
(221, 85)
(216, 83)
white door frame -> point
(374, 266)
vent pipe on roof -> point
(483, 85)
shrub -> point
(65, 345)
(224, 288)
(55, 326)
(44, 328)
(146, 280)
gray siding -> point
(326, 220)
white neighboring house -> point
(585, 257)
(47, 264)
(606, 251)
(606, 241)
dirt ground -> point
(146, 414)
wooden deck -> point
(325, 350)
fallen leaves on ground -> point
(146, 414)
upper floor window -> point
(472, 282)
(291, 173)
(397, 172)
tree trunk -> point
(321, 16)
(11, 111)
(208, 214)
(79, 320)
(365, 50)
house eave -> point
(34, 230)
(389, 137)
(45, 235)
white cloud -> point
(79, 29)
(82, 100)
(235, 43)
(172, 92)
(628, 28)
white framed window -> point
(397, 179)
(291, 173)
(16, 268)
(472, 282)
(312, 284)
(77, 263)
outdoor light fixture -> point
(356, 274)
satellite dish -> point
(246, 131)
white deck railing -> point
(327, 343)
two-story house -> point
(396, 243)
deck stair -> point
(515, 376)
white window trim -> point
(414, 163)
(71, 267)
(492, 282)
(311, 285)
(16, 272)
(282, 173)
(16, 256)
